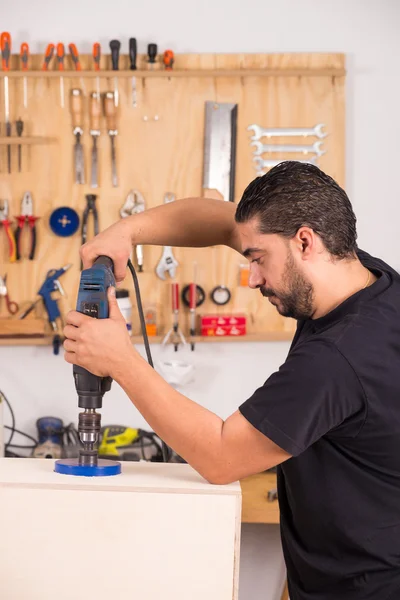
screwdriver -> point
(19, 125)
(115, 46)
(152, 54)
(75, 59)
(60, 62)
(96, 59)
(24, 66)
(132, 56)
(168, 60)
(111, 118)
(47, 57)
(5, 42)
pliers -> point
(12, 307)
(9, 233)
(90, 208)
(134, 204)
(26, 216)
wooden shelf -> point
(143, 74)
(25, 141)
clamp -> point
(26, 216)
(7, 227)
(134, 205)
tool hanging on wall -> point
(6, 223)
(96, 53)
(26, 217)
(51, 284)
(134, 205)
(64, 221)
(19, 126)
(94, 112)
(168, 263)
(259, 132)
(60, 64)
(111, 119)
(220, 294)
(5, 42)
(24, 54)
(77, 122)
(168, 60)
(315, 148)
(48, 55)
(151, 55)
(115, 46)
(133, 56)
(175, 335)
(12, 307)
(220, 149)
(77, 63)
(90, 209)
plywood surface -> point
(164, 154)
(255, 505)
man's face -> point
(274, 271)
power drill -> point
(92, 301)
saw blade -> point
(220, 148)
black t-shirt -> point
(335, 406)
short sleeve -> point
(314, 392)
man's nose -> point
(255, 276)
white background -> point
(38, 383)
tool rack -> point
(159, 150)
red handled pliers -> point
(26, 216)
(7, 227)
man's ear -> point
(305, 241)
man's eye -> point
(256, 260)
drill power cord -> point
(14, 430)
(166, 453)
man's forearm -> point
(194, 432)
(195, 222)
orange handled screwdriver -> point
(169, 60)
(5, 42)
(75, 56)
(60, 62)
(96, 53)
(24, 53)
(48, 55)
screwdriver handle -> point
(152, 53)
(24, 53)
(48, 55)
(115, 46)
(94, 111)
(132, 53)
(110, 111)
(175, 296)
(60, 56)
(169, 60)
(5, 42)
(77, 107)
(96, 53)
(75, 56)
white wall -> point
(368, 32)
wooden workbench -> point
(255, 505)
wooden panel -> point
(255, 505)
(164, 155)
(159, 530)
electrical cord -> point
(14, 430)
(166, 453)
(4, 397)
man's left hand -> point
(102, 346)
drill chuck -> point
(89, 430)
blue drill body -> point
(92, 295)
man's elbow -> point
(219, 475)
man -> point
(330, 417)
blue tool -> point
(50, 285)
(92, 301)
(64, 221)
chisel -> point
(132, 56)
(95, 112)
(60, 62)
(19, 125)
(5, 42)
(24, 53)
(115, 46)
(152, 55)
(111, 118)
(77, 121)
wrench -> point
(287, 131)
(269, 163)
(167, 261)
(260, 148)
(134, 204)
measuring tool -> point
(5, 42)
(24, 67)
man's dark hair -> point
(293, 195)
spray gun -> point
(51, 284)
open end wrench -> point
(270, 163)
(315, 148)
(259, 132)
(167, 263)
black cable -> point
(2, 395)
(14, 429)
(164, 448)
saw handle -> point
(110, 111)
(77, 107)
(95, 111)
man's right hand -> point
(115, 242)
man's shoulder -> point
(372, 262)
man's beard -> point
(296, 299)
